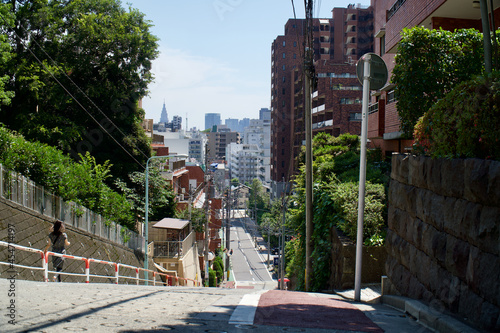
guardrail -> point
(169, 279)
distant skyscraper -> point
(233, 124)
(164, 115)
(212, 119)
(265, 114)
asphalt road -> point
(247, 263)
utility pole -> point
(207, 213)
(308, 75)
(228, 224)
(486, 35)
(282, 248)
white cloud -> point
(197, 85)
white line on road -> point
(245, 311)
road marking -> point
(245, 311)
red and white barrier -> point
(45, 267)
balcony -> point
(318, 109)
(173, 249)
(373, 108)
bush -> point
(218, 266)
(428, 64)
(83, 183)
(212, 278)
(345, 200)
(466, 123)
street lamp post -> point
(146, 229)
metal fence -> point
(17, 188)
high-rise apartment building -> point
(337, 44)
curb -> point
(427, 316)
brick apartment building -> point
(390, 17)
(337, 43)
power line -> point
(73, 97)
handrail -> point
(45, 267)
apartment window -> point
(283, 91)
(282, 151)
(284, 78)
(283, 55)
(294, 56)
(382, 45)
(282, 164)
(294, 44)
(283, 138)
(283, 43)
(391, 96)
(284, 66)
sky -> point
(215, 55)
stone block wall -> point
(31, 229)
(443, 240)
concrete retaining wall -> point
(31, 229)
(443, 240)
(344, 262)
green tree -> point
(429, 63)
(161, 197)
(272, 221)
(83, 182)
(198, 217)
(259, 200)
(336, 175)
(5, 55)
(99, 53)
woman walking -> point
(59, 240)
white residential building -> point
(247, 162)
(197, 144)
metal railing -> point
(173, 249)
(21, 190)
(170, 280)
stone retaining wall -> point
(443, 240)
(31, 229)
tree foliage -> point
(5, 55)
(83, 182)
(198, 217)
(465, 123)
(79, 70)
(161, 198)
(429, 63)
(258, 202)
(272, 221)
(335, 204)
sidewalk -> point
(431, 318)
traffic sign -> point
(378, 71)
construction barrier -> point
(169, 279)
